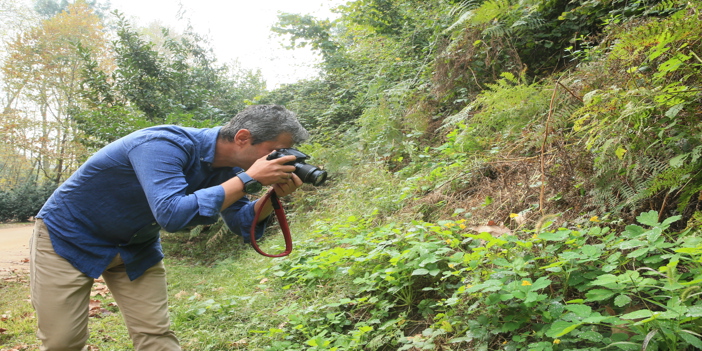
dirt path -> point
(14, 249)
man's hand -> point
(287, 188)
(269, 172)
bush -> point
(19, 204)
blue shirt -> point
(118, 200)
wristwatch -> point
(251, 186)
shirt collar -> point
(208, 144)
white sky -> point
(238, 29)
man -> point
(105, 219)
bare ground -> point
(14, 249)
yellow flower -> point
(525, 283)
(448, 241)
(513, 215)
(557, 341)
(594, 219)
(462, 226)
(451, 265)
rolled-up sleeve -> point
(164, 185)
(239, 217)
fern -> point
(467, 8)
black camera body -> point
(308, 173)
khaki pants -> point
(60, 296)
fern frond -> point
(666, 7)
(466, 9)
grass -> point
(217, 297)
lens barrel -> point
(310, 174)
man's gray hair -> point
(265, 122)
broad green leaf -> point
(654, 234)
(540, 283)
(533, 296)
(638, 314)
(638, 253)
(598, 294)
(557, 236)
(694, 311)
(648, 218)
(591, 336)
(606, 280)
(630, 244)
(633, 230)
(596, 318)
(622, 300)
(420, 271)
(505, 297)
(691, 339)
(570, 255)
(671, 113)
(560, 328)
(591, 251)
(582, 311)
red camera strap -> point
(282, 221)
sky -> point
(238, 30)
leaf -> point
(638, 314)
(622, 300)
(558, 236)
(678, 161)
(420, 271)
(638, 253)
(560, 328)
(672, 112)
(598, 294)
(694, 311)
(691, 339)
(634, 230)
(606, 280)
(630, 244)
(648, 218)
(540, 283)
(582, 311)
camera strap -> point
(282, 221)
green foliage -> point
(23, 202)
(643, 127)
(178, 85)
(527, 290)
(500, 112)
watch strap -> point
(251, 186)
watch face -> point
(252, 187)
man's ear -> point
(242, 137)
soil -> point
(14, 249)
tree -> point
(42, 83)
(176, 81)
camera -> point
(308, 173)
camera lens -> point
(310, 174)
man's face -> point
(254, 152)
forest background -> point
(505, 175)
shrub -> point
(19, 204)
